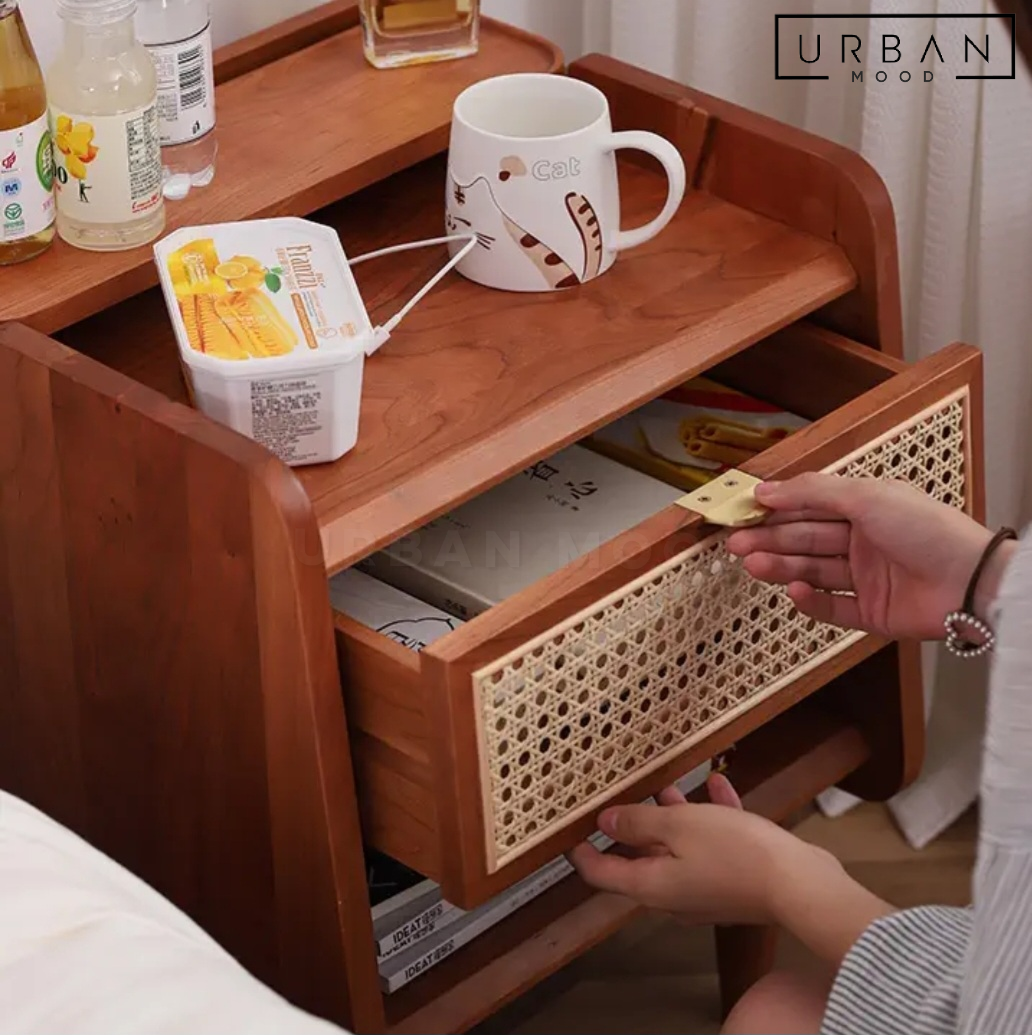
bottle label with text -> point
(26, 181)
(108, 166)
(186, 88)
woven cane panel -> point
(618, 690)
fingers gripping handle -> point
(670, 158)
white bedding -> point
(87, 948)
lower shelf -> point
(778, 770)
(509, 960)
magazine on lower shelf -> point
(403, 929)
(405, 967)
(430, 938)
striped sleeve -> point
(996, 994)
(966, 972)
(903, 976)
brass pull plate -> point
(729, 501)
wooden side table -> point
(174, 683)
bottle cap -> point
(96, 12)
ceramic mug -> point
(532, 172)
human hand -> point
(904, 559)
(716, 864)
(707, 864)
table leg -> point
(744, 955)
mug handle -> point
(670, 158)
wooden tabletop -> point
(294, 136)
(476, 384)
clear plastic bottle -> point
(26, 158)
(104, 120)
(178, 35)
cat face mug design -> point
(532, 173)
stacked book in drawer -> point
(521, 531)
(570, 504)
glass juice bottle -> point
(104, 120)
(411, 32)
(26, 159)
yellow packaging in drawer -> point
(694, 433)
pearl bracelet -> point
(963, 625)
(959, 627)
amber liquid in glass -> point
(411, 32)
(23, 100)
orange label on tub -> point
(227, 304)
(261, 290)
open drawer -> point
(494, 749)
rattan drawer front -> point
(491, 752)
(615, 692)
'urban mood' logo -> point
(908, 48)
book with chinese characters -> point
(694, 433)
(520, 531)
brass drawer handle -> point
(729, 501)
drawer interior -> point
(393, 713)
(807, 370)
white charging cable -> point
(381, 335)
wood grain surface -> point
(168, 677)
(779, 171)
(476, 384)
(284, 38)
(387, 709)
(294, 135)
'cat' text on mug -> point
(546, 170)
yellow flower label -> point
(108, 167)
